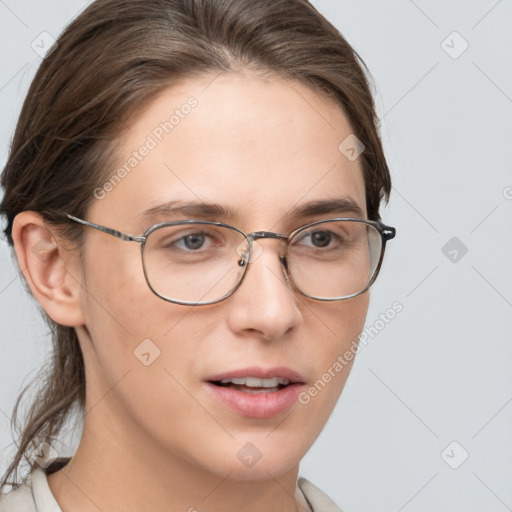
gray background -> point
(435, 384)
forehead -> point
(258, 146)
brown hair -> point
(109, 62)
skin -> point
(154, 438)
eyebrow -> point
(198, 210)
(336, 206)
(215, 211)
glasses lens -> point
(194, 263)
(334, 259)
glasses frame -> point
(386, 233)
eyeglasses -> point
(197, 262)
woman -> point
(193, 196)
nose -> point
(264, 305)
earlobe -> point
(51, 271)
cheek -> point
(115, 281)
(335, 333)
(338, 325)
(139, 354)
(120, 309)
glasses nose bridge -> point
(260, 235)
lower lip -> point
(257, 405)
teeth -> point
(254, 382)
(258, 390)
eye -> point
(185, 239)
(319, 239)
(192, 242)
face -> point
(260, 148)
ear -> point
(52, 271)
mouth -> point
(254, 384)
(256, 392)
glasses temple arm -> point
(114, 232)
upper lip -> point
(260, 373)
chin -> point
(248, 458)
(270, 467)
(261, 457)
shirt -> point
(35, 495)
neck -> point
(110, 472)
